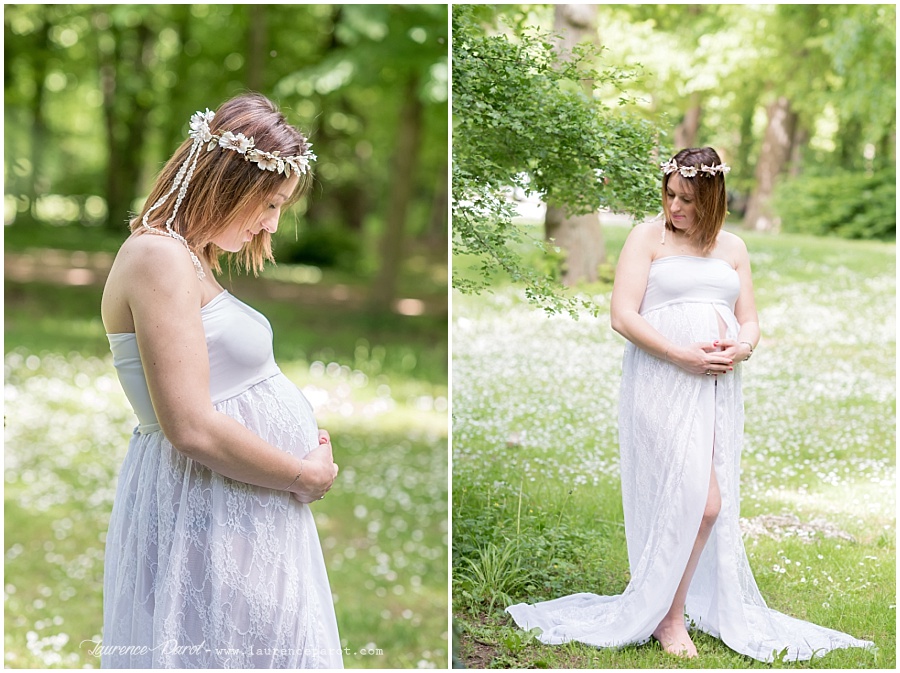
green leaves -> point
(524, 119)
(845, 203)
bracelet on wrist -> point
(750, 346)
(295, 478)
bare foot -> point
(674, 639)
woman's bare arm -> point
(164, 298)
(745, 307)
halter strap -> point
(183, 181)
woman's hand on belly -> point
(731, 349)
(319, 472)
(702, 357)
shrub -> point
(322, 246)
(845, 203)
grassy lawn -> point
(536, 498)
(379, 385)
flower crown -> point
(671, 166)
(238, 142)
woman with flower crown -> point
(683, 298)
(212, 554)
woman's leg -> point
(671, 632)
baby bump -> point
(691, 322)
(276, 411)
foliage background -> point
(96, 98)
(800, 100)
(785, 92)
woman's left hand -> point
(734, 350)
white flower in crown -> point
(266, 161)
(688, 171)
(669, 166)
(235, 141)
(300, 164)
(709, 170)
(724, 168)
(200, 125)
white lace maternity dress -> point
(203, 571)
(672, 426)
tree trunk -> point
(798, 144)
(403, 179)
(136, 123)
(116, 203)
(36, 185)
(437, 222)
(773, 158)
(256, 47)
(181, 92)
(686, 132)
(580, 238)
(125, 109)
(321, 212)
(737, 200)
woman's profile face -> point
(680, 203)
(256, 217)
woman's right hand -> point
(319, 472)
(700, 358)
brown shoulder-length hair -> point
(223, 183)
(710, 200)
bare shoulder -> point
(645, 235)
(148, 271)
(155, 261)
(649, 230)
(733, 247)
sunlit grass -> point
(535, 454)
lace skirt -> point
(203, 571)
(674, 428)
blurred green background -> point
(97, 97)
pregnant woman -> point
(683, 297)
(212, 555)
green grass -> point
(381, 384)
(535, 458)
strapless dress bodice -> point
(239, 343)
(684, 278)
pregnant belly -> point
(689, 322)
(278, 412)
